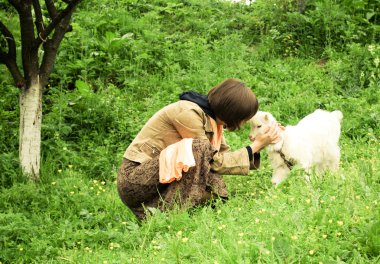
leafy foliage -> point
(309, 27)
(124, 60)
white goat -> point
(312, 143)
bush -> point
(307, 28)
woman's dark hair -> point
(233, 102)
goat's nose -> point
(275, 183)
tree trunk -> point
(30, 129)
(36, 71)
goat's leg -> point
(279, 174)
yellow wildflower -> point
(221, 227)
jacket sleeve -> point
(190, 123)
(235, 162)
(231, 162)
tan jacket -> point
(184, 119)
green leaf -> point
(369, 15)
(83, 88)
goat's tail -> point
(338, 114)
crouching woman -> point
(180, 154)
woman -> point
(201, 119)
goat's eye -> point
(258, 126)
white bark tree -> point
(45, 34)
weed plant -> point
(124, 60)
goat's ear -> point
(266, 117)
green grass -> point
(333, 218)
(74, 214)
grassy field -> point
(73, 216)
(122, 62)
(74, 219)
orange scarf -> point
(216, 139)
(179, 156)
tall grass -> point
(125, 60)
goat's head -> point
(259, 123)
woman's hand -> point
(270, 136)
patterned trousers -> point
(139, 187)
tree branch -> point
(51, 50)
(10, 40)
(66, 12)
(39, 19)
(51, 45)
(9, 59)
(3, 57)
(16, 4)
(51, 9)
(15, 71)
(29, 52)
